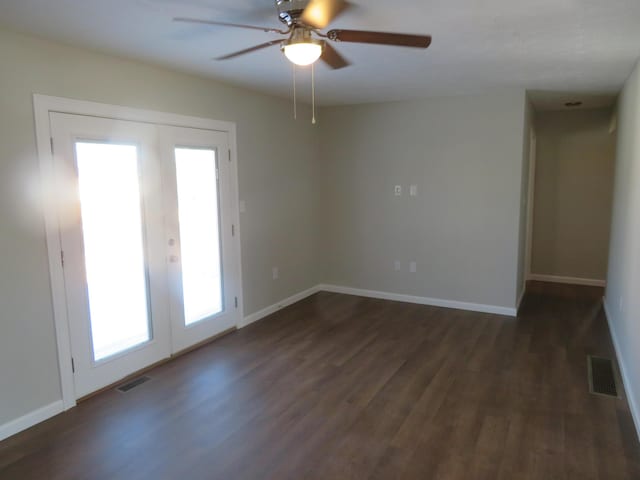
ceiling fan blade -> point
(380, 38)
(249, 50)
(320, 13)
(331, 57)
(225, 24)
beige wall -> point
(465, 154)
(277, 173)
(623, 279)
(573, 193)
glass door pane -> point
(112, 232)
(199, 226)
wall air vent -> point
(125, 387)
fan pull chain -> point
(313, 94)
(295, 106)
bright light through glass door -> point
(114, 247)
(198, 217)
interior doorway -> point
(573, 189)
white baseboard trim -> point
(435, 302)
(30, 419)
(590, 282)
(633, 405)
(260, 314)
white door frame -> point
(530, 206)
(43, 105)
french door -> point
(146, 242)
(195, 199)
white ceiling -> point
(576, 46)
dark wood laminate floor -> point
(342, 387)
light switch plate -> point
(398, 190)
(396, 266)
(413, 190)
(275, 273)
(413, 267)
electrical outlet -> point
(396, 266)
(398, 190)
(413, 267)
(275, 273)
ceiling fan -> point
(306, 43)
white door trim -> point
(43, 105)
(530, 203)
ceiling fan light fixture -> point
(303, 53)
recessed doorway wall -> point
(573, 194)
